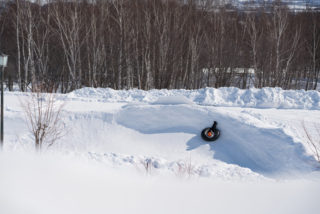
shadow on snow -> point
(266, 151)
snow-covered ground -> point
(292, 4)
(141, 152)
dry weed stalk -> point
(314, 143)
(147, 164)
(185, 168)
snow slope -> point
(112, 136)
(163, 126)
(54, 184)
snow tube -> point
(211, 133)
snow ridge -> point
(181, 168)
(231, 96)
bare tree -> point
(44, 117)
(67, 17)
(313, 46)
(25, 25)
(254, 34)
(159, 44)
(148, 68)
(279, 26)
(196, 36)
(95, 42)
(17, 24)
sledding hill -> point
(264, 150)
(114, 137)
(163, 128)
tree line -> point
(68, 44)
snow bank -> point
(173, 100)
(255, 98)
(47, 184)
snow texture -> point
(166, 124)
(114, 137)
(54, 184)
(231, 97)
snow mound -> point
(228, 97)
(173, 100)
(217, 170)
(262, 98)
